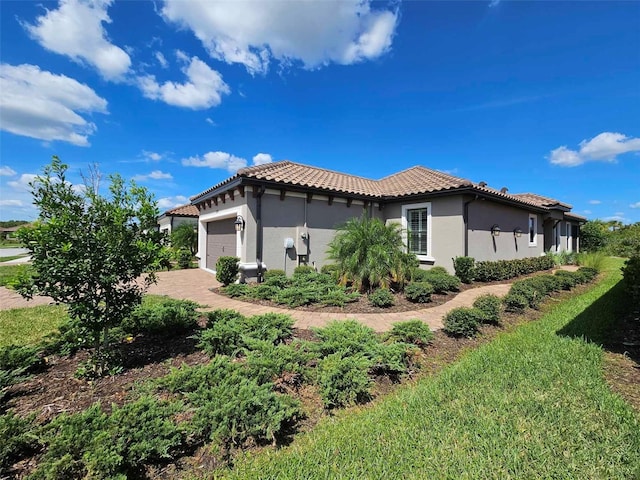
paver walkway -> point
(194, 284)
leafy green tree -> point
(594, 235)
(369, 254)
(91, 251)
(185, 236)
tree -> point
(185, 236)
(593, 235)
(370, 254)
(91, 251)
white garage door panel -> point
(221, 241)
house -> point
(283, 214)
(171, 219)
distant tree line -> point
(611, 238)
(12, 223)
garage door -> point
(221, 240)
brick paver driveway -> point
(194, 284)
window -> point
(416, 226)
(533, 230)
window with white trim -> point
(533, 230)
(416, 225)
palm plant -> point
(369, 254)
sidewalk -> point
(194, 284)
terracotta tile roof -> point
(184, 211)
(416, 180)
(413, 181)
(540, 200)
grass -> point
(11, 257)
(9, 273)
(27, 326)
(531, 404)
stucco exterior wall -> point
(483, 246)
(286, 219)
(447, 227)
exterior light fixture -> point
(239, 223)
(517, 232)
(495, 230)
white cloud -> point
(154, 175)
(262, 158)
(40, 104)
(587, 212)
(594, 202)
(11, 203)
(153, 156)
(22, 184)
(603, 147)
(615, 218)
(635, 205)
(222, 160)
(161, 59)
(7, 171)
(210, 122)
(313, 33)
(76, 30)
(166, 203)
(203, 89)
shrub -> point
(515, 302)
(71, 336)
(412, 331)
(631, 278)
(228, 406)
(381, 298)
(236, 290)
(490, 306)
(227, 270)
(438, 270)
(303, 270)
(266, 362)
(462, 322)
(330, 269)
(346, 337)
(593, 260)
(442, 282)
(338, 297)
(343, 380)
(269, 327)
(17, 439)
(275, 273)
(566, 280)
(297, 296)
(589, 273)
(527, 290)
(167, 317)
(16, 363)
(263, 291)
(505, 269)
(464, 268)
(183, 257)
(418, 292)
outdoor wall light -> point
(495, 230)
(239, 223)
(517, 232)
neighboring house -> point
(175, 217)
(282, 214)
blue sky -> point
(536, 96)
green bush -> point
(228, 332)
(438, 270)
(235, 290)
(443, 283)
(303, 270)
(228, 405)
(589, 273)
(266, 362)
(566, 280)
(71, 336)
(330, 269)
(464, 268)
(295, 296)
(529, 291)
(490, 306)
(167, 317)
(462, 322)
(184, 257)
(276, 278)
(338, 297)
(412, 331)
(418, 292)
(515, 302)
(593, 260)
(343, 380)
(17, 439)
(227, 270)
(274, 273)
(631, 278)
(346, 337)
(92, 444)
(263, 291)
(381, 298)
(16, 364)
(505, 269)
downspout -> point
(259, 233)
(465, 217)
(306, 240)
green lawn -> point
(9, 273)
(11, 257)
(27, 326)
(530, 404)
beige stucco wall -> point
(483, 214)
(447, 227)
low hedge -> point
(490, 271)
(463, 322)
(631, 278)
